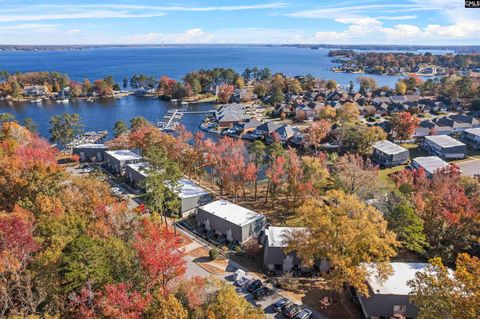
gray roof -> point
(141, 168)
(277, 236)
(285, 131)
(269, 127)
(473, 131)
(90, 146)
(429, 163)
(124, 155)
(231, 212)
(190, 189)
(388, 147)
(444, 141)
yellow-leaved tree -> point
(350, 235)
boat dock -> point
(198, 112)
(170, 121)
(87, 138)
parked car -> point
(304, 314)
(291, 311)
(240, 277)
(116, 191)
(254, 285)
(262, 292)
(281, 304)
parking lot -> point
(470, 168)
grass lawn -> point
(384, 173)
(414, 149)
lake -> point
(154, 61)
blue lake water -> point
(154, 61)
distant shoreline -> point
(455, 48)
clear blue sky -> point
(238, 21)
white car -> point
(116, 191)
(240, 277)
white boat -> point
(63, 101)
(174, 100)
(38, 101)
(90, 99)
(184, 103)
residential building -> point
(118, 159)
(90, 152)
(429, 163)
(233, 222)
(390, 298)
(388, 154)
(136, 173)
(472, 137)
(457, 126)
(274, 256)
(444, 146)
(229, 114)
(191, 197)
(35, 90)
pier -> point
(197, 112)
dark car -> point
(291, 311)
(281, 304)
(304, 314)
(262, 292)
(254, 285)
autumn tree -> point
(401, 87)
(359, 138)
(331, 84)
(367, 84)
(225, 92)
(258, 152)
(327, 113)
(441, 293)
(160, 257)
(275, 174)
(355, 175)
(138, 122)
(122, 302)
(317, 132)
(404, 125)
(166, 86)
(347, 233)
(227, 304)
(349, 112)
(449, 215)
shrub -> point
(213, 253)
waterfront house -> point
(90, 152)
(118, 159)
(267, 128)
(136, 173)
(472, 137)
(390, 298)
(246, 126)
(429, 163)
(227, 220)
(35, 90)
(229, 114)
(444, 146)
(388, 154)
(274, 256)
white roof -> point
(190, 189)
(430, 163)
(474, 131)
(124, 155)
(140, 168)
(90, 146)
(388, 147)
(277, 236)
(231, 212)
(396, 284)
(444, 140)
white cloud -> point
(74, 31)
(29, 27)
(107, 11)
